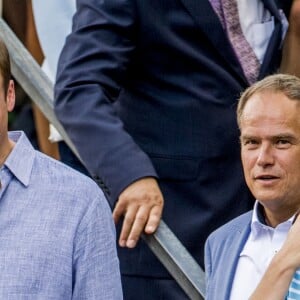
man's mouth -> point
(266, 177)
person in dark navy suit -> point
(147, 92)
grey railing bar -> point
(178, 261)
(163, 243)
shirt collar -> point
(20, 159)
(258, 223)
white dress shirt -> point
(261, 246)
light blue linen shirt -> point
(57, 237)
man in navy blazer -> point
(147, 92)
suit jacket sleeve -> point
(91, 71)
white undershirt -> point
(261, 246)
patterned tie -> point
(227, 12)
(294, 289)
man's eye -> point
(283, 143)
(250, 142)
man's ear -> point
(10, 96)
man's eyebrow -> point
(286, 136)
(271, 137)
(247, 136)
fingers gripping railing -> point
(163, 243)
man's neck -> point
(274, 220)
(5, 150)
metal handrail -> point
(163, 243)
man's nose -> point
(265, 155)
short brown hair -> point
(289, 85)
(5, 69)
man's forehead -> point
(270, 105)
(270, 130)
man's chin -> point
(269, 200)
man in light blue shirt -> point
(56, 232)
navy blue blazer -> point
(149, 88)
(222, 251)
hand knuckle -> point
(141, 219)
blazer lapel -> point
(271, 58)
(272, 7)
(206, 18)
